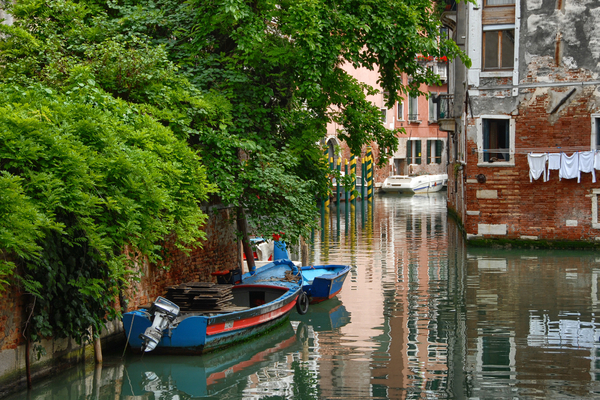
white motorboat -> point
(415, 184)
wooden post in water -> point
(353, 173)
(363, 174)
(98, 350)
(346, 198)
(337, 190)
(370, 184)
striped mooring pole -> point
(363, 178)
(370, 184)
(353, 173)
(337, 190)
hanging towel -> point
(569, 166)
(586, 163)
(553, 162)
(597, 159)
(537, 166)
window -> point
(496, 134)
(383, 115)
(413, 108)
(595, 213)
(413, 152)
(498, 40)
(434, 151)
(595, 140)
(400, 109)
(433, 114)
(444, 106)
(498, 49)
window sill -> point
(416, 121)
(496, 74)
(496, 164)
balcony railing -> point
(413, 117)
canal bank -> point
(522, 243)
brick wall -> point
(553, 210)
(218, 252)
(11, 318)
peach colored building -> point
(423, 146)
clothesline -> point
(527, 150)
(568, 166)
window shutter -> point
(409, 151)
(427, 160)
(439, 146)
(418, 151)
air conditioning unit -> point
(442, 71)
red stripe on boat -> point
(248, 322)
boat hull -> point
(196, 332)
(415, 184)
(322, 282)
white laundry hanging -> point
(537, 165)
(569, 166)
(597, 159)
(553, 163)
(586, 163)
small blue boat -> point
(203, 317)
(322, 282)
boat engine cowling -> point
(165, 312)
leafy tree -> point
(280, 64)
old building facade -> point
(529, 101)
(422, 147)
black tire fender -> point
(302, 303)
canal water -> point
(420, 317)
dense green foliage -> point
(94, 161)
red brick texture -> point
(538, 208)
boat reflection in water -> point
(324, 316)
(212, 373)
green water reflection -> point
(420, 316)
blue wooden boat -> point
(183, 324)
(322, 282)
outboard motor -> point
(165, 312)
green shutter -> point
(439, 147)
(427, 160)
(418, 155)
(409, 151)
